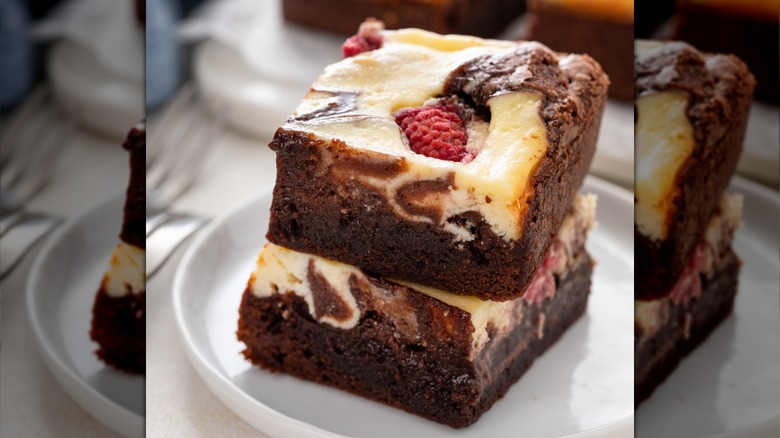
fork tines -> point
(32, 144)
(180, 141)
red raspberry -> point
(359, 44)
(435, 131)
(369, 37)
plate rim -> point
(228, 394)
(741, 183)
(96, 404)
(745, 186)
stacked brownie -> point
(692, 109)
(427, 238)
(119, 310)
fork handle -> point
(21, 236)
(165, 233)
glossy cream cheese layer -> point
(127, 271)
(408, 71)
(622, 10)
(282, 270)
(664, 141)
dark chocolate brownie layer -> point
(609, 41)
(320, 208)
(753, 39)
(429, 374)
(485, 18)
(119, 328)
(133, 225)
(657, 357)
(720, 98)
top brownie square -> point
(448, 161)
(691, 113)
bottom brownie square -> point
(442, 356)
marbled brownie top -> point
(520, 103)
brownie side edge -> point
(119, 328)
(134, 221)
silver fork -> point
(31, 145)
(179, 142)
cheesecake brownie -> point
(668, 329)
(604, 29)
(484, 18)
(748, 29)
(447, 161)
(691, 109)
(119, 310)
(443, 356)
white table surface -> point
(178, 404)
(32, 402)
(177, 401)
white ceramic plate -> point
(583, 386)
(730, 385)
(760, 155)
(614, 159)
(61, 289)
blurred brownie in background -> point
(484, 18)
(604, 29)
(649, 15)
(748, 29)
